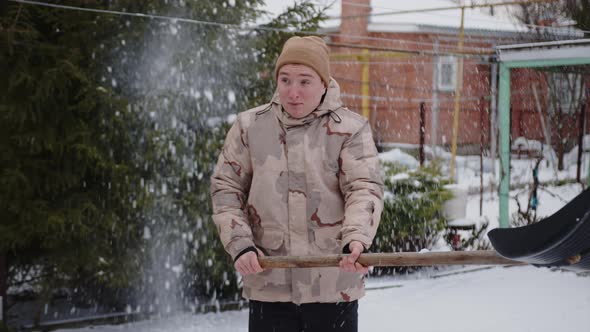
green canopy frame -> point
(532, 55)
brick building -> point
(390, 65)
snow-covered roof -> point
(564, 49)
(474, 20)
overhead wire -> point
(387, 39)
(448, 100)
(395, 62)
(414, 52)
(520, 92)
(240, 28)
(410, 100)
(150, 16)
(233, 26)
(405, 42)
(382, 85)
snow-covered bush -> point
(412, 218)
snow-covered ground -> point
(513, 299)
(494, 299)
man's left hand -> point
(350, 263)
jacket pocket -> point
(328, 239)
(271, 240)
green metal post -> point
(504, 119)
(504, 124)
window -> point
(447, 73)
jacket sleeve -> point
(230, 184)
(362, 188)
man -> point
(299, 176)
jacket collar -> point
(331, 103)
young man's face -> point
(300, 89)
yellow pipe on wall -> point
(365, 83)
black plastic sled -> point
(562, 239)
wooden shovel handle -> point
(477, 257)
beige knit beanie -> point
(311, 51)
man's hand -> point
(349, 263)
(248, 263)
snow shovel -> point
(563, 240)
(478, 257)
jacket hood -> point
(331, 103)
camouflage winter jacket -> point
(298, 187)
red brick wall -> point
(398, 85)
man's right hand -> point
(248, 263)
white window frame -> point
(450, 83)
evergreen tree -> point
(66, 184)
(110, 128)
